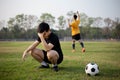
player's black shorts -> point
(46, 58)
(76, 37)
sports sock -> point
(81, 43)
(54, 65)
(73, 46)
(44, 63)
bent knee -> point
(52, 54)
(36, 51)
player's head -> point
(75, 16)
(43, 27)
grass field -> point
(105, 54)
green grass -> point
(105, 54)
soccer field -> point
(105, 54)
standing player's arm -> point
(44, 43)
(78, 15)
(30, 48)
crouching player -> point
(52, 53)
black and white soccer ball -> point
(92, 69)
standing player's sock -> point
(82, 45)
(73, 46)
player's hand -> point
(24, 55)
(41, 35)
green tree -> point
(90, 21)
(46, 17)
(70, 14)
(83, 19)
(2, 24)
(97, 22)
(11, 23)
(61, 22)
(107, 29)
(30, 21)
(23, 21)
(4, 33)
(117, 31)
(16, 31)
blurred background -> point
(100, 19)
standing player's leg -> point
(73, 45)
(82, 45)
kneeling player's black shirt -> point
(53, 39)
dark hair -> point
(75, 16)
(43, 27)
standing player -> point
(52, 53)
(74, 25)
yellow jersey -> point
(75, 27)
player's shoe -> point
(55, 68)
(73, 50)
(83, 49)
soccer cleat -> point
(55, 68)
(83, 49)
(43, 66)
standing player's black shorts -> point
(76, 37)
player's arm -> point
(78, 15)
(30, 48)
(44, 43)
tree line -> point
(24, 27)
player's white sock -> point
(44, 63)
(54, 65)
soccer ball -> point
(92, 69)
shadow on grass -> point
(73, 69)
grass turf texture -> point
(105, 54)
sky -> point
(92, 8)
